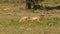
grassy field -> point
(10, 15)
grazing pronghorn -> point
(23, 18)
(32, 18)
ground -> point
(9, 21)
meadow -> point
(49, 21)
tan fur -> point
(34, 18)
(23, 18)
(31, 18)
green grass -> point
(9, 21)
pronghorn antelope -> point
(23, 18)
(32, 18)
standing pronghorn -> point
(23, 18)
